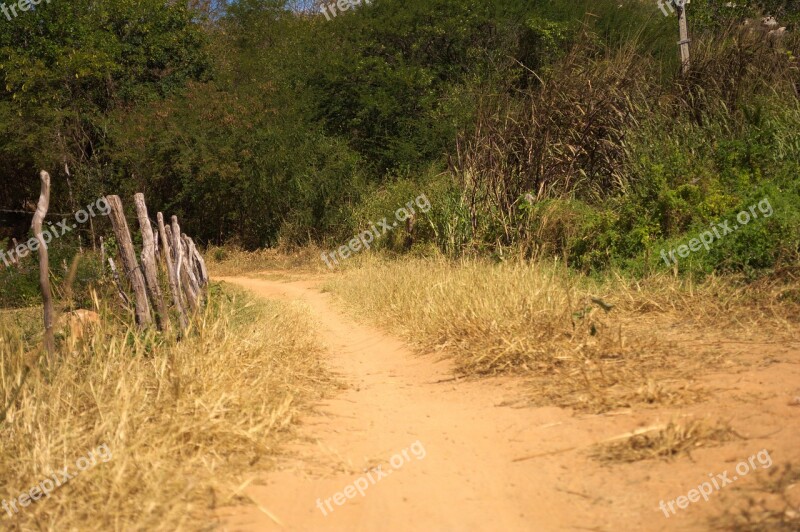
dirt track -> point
(472, 433)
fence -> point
(164, 250)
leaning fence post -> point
(149, 262)
(129, 262)
(190, 263)
(44, 266)
(103, 255)
(182, 266)
(202, 270)
(171, 274)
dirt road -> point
(446, 449)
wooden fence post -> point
(149, 263)
(171, 273)
(201, 265)
(171, 243)
(683, 27)
(44, 267)
(190, 262)
(129, 262)
(182, 266)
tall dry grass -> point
(183, 421)
(589, 343)
(230, 260)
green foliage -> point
(690, 150)
(396, 76)
(65, 66)
(19, 285)
(264, 127)
(711, 14)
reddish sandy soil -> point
(469, 479)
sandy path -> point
(467, 479)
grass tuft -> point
(665, 443)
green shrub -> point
(19, 286)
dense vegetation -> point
(535, 127)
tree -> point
(66, 65)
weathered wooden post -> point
(170, 242)
(683, 28)
(44, 266)
(103, 255)
(129, 262)
(171, 273)
(149, 263)
(190, 269)
(201, 263)
(182, 266)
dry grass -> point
(673, 440)
(566, 136)
(230, 261)
(772, 302)
(585, 343)
(183, 420)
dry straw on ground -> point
(183, 420)
(665, 443)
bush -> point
(604, 162)
(73, 275)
